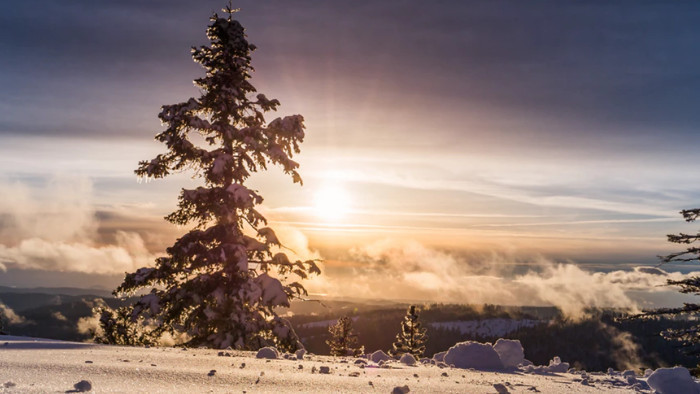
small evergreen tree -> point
(116, 328)
(343, 340)
(220, 283)
(689, 337)
(412, 337)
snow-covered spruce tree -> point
(689, 338)
(221, 282)
(343, 340)
(411, 338)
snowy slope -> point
(30, 365)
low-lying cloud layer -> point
(409, 270)
(54, 228)
(9, 315)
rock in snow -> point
(510, 352)
(378, 356)
(408, 359)
(501, 388)
(82, 386)
(300, 354)
(400, 390)
(267, 352)
(673, 381)
(473, 355)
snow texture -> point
(272, 291)
(510, 352)
(268, 353)
(31, 365)
(475, 355)
(673, 381)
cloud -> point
(127, 255)
(11, 317)
(59, 316)
(53, 227)
(294, 243)
(408, 270)
(59, 210)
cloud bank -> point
(389, 269)
(53, 227)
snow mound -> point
(673, 381)
(267, 352)
(378, 356)
(510, 352)
(557, 366)
(473, 355)
(439, 357)
(408, 359)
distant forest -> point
(593, 344)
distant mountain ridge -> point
(71, 291)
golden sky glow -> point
(464, 127)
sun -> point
(332, 202)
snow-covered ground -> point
(29, 365)
(488, 327)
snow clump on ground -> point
(439, 357)
(408, 359)
(268, 352)
(510, 352)
(475, 355)
(378, 356)
(673, 381)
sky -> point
(494, 139)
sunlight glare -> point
(332, 202)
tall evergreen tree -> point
(343, 340)
(689, 337)
(220, 283)
(412, 337)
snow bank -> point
(268, 352)
(378, 356)
(473, 355)
(510, 352)
(673, 381)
